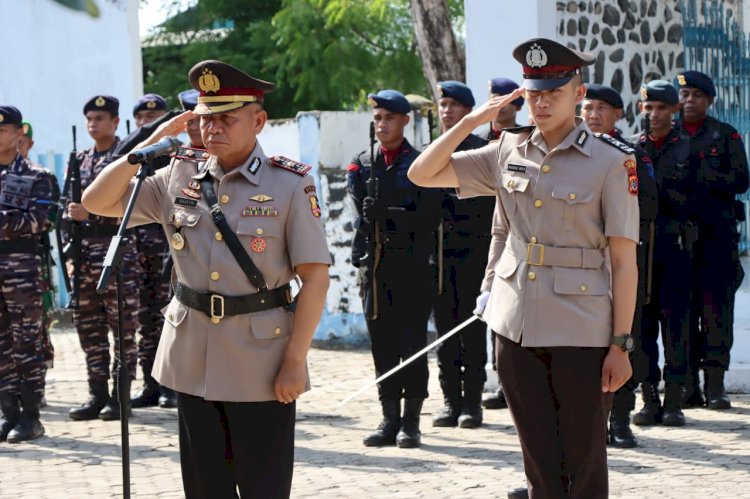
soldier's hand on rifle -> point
(482, 300)
(77, 212)
(372, 209)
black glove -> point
(372, 209)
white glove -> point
(482, 300)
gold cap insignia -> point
(2, 118)
(261, 198)
(208, 81)
(150, 104)
(100, 102)
(681, 80)
(372, 102)
(441, 90)
(644, 93)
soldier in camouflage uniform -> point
(96, 314)
(26, 195)
(153, 287)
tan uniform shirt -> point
(556, 291)
(238, 358)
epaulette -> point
(289, 164)
(519, 129)
(190, 154)
(618, 144)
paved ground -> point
(708, 457)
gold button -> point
(191, 218)
(583, 287)
(224, 199)
(259, 231)
(215, 320)
(277, 331)
(218, 236)
(572, 196)
(538, 203)
(532, 276)
(533, 240)
(546, 168)
(511, 184)
(214, 276)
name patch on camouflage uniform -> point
(16, 191)
(289, 164)
(617, 144)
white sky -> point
(151, 13)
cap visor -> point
(545, 84)
(218, 107)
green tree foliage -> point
(322, 54)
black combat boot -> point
(494, 400)
(672, 415)
(91, 408)
(148, 395)
(519, 493)
(620, 435)
(168, 398)
(111, 411)
(29, 427)
(471, 404)
(447, 416)
(651, 413)
(10, 405)
(409, 435)
(386, 432)
(693, 396)
(716, 396)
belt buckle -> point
(530, 249)
(216, 318)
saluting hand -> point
(616, 370)
(170, 128)
(290, 381)
(487, 111)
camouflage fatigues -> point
(153, 288)
(26, 195)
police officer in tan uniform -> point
(562, 330)
(233, 346)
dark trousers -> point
(556, 401)
(718, 274)
(462, 358)
(225, 446)
(405, 295)
(669, 311)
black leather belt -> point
(217, 306)
(20, 246)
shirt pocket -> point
(582, 282)
(261, 237)
(174, 313)
(271, 324)
(507, 266)
(182, 232)
(514, 184)
(574, 198)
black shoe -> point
(447, 416)
(146, 396)
(168, 398)
(409, 435)
(716, 396)
(111, 411)
(519, 493)
(471, 416)
(651, 413)
(692, 396)
(90, 409)
(385, 434)
(672, 414)
(620, 435)
(27, 429)
(11, 407)
(494, 400)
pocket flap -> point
(572, 194)
(581, 282)
(507, 265)
(175, 312)
(270, 324)
(259, 226)
(181, 218)
(513, 182)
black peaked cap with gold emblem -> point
(224, 88)
(102, 103)
(548, 65)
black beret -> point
(660, 91)
(457, 91)
(392, 100)
(188, 99)
(223, 87)
(150, 102)
(504, 86)
(604, 93)
(10, 115)
(696, 79)
(102, 103)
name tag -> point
(16, 191)
(516, 168)
(188, 203)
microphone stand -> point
(112, 263)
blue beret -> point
(188, 99)
(392, 100)
(10, 115)
(102, 103)
(457, 91)
(696, 79)
(661, 91)
(604, 93)
(150, 102)
(504, 86)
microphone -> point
(166, 145)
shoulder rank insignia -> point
(190, 153)
(289, 164)
(617, 144)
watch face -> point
(629, 344)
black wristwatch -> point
(624, 341)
